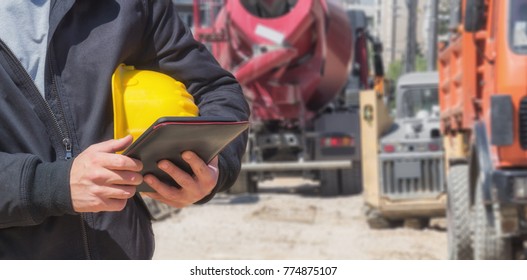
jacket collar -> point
(58, 10)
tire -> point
(244, 184)
(487, 244)
(329, 182)
(458, 214)
(416, 223)
(252, 184)
(375, 220)
(158, 211)
(351, 179)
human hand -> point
(101, 180)
(193, 187)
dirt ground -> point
(288, 220)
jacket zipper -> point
(66, 141)
(62, 130)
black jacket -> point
(88, 39)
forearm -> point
(31, 190)
(229, 165)
(215, 90)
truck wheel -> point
(487, 244)
(252, 184)
(352, 179)
(244, 184)
(329, 182)
(416, 223)
(458, 214)
(375, 220)
(158, 211)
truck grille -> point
(523, 123)
(412, 178)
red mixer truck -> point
(301, 64)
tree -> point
(395, 70)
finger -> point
(171, 195)
(115, 192)
(118, 162)
(180, 176)
(104, 198)
(206, 174)
(162, 189)
(103, 176)
(125, 178)
(114, 145)
(114, 204)
(183, 196)
(198, 166)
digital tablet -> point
(168, 137)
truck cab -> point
(416, 127)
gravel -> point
(288, 220)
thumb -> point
(114, 145)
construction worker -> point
(64, 192)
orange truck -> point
(483, 101)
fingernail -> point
(163, 165)
(136, 178)
(186, 156)
(148, 180)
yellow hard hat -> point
(140, 97)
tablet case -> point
(168, 137)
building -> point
(185, 8)
(370, 7)
(389, 21)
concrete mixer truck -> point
(301, 64)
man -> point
(64, 192)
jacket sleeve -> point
(26, 197)
(215, 90)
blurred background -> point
(399, 24)
(345, 156)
